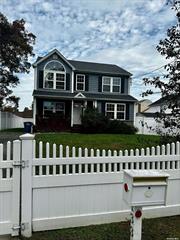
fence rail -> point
(45, 150)
(66, 187)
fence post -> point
(0, 120)
(26, 192)
(16, 188)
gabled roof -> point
(79, 95)
(87, 66)
(25, 114)
(147, 114)
(98, 67)
(41, 59)
(165, 100)
(158, 102)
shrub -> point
(116, 126)
(95, 122)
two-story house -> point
(63, 88)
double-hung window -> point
(54, 76)
(49, 80)
(115, 111)
(111, 84)
(80, 82)
(51, 108)
(106, 84)
(116, 84)
(60, 81)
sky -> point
(122, 32)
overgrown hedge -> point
(95, 122)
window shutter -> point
(40, 79)
(127, 111)
(122, 85)
(67, 81)
(86, 82)
(103, 108)
(74, 82)
(100, 84)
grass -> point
(153, 229)
(100, 141)
(13, 130)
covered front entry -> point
(77, 112)
(60, 115)
(78, 107)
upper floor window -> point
(80, 82)
(54, 75)
(111, 84)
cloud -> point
(121, 32)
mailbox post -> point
(143, 188)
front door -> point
(77, 113)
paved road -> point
(9, 136)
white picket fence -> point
(63, 187)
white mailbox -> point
(145, 187)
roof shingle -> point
(98, 67)
(90, 96)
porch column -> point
(72, 82)
(95, 104)
(72, 112)
(34, 111)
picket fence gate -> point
(45, 187)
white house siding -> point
(10, 120)
(153, 109)
(146, 125)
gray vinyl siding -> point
(93, 83)
(41, 65)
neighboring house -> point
(15, 119)
(64, 88)
(145, 120)
(27, 114)
(143, 105)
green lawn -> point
(21, 130)
(153, 229)
(100, 141)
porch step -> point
(76, 128)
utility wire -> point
(156, 69)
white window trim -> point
(111, 84)
(81, 82)
(61, 81)
(54, 109)
(54, 76)
(121, 111)
(115, 111)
